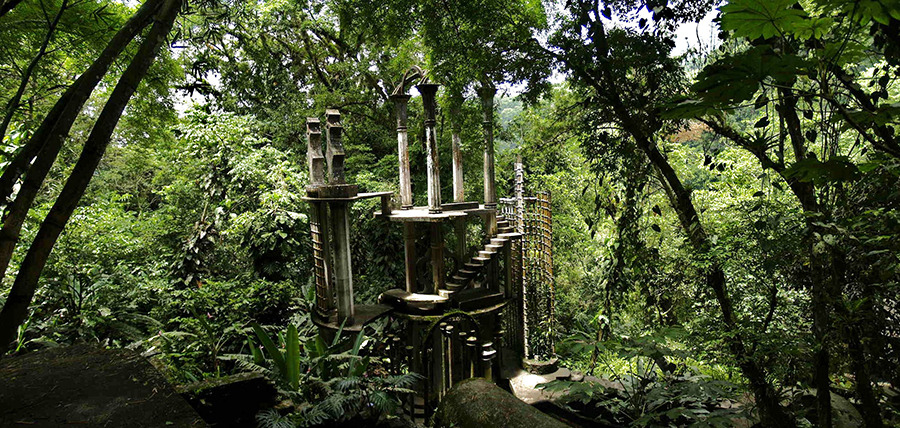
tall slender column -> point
(340, 221)
(318, 220)
(520, 195)
(437, 258)
(486, 92)
(455, 141)
(401, 102)
(314, 154)
(409, 253)
(459, 224)
(433, 168)
(335, 153)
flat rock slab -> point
(83, 385)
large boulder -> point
(477, 403)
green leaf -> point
(736, 78)
(270, 347)
(292, 357)
(761, 18)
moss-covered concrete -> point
(477, 403)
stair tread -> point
(509, 235)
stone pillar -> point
(486, 92)
(433, 168)
(401, 102)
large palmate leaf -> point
(838, 168)
(736, 78)
(760, 18)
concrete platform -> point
(83, 385)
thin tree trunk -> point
(16, 308)
(820, 297)
(45, 144)
(13, 104)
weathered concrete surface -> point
(82, 385)
(477, 403)
(231, 401)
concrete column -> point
(433, 167)
(455, 140)
(314, 154)
(486, 93)
(409, 250)
(340, 221)
(401, 102)
(335, 153)
(459, 224)
(343, 277)
(437, 258)
(520, 195)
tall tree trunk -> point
(16, 308)
(13, 104)
(603, 80)
(44, 145)
(7, 6)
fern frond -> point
(272, 419)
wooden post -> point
(487, 92)
(401, 102)
(433, 167)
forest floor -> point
(83, 385)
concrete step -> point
(499, 241)
(487, 253)
(474, 265)
(454, 286)
(467, 273)
(476, 298)
(483, 260)
(456, 279)
(505, 230)
(493, 247)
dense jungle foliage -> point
(726, 215)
